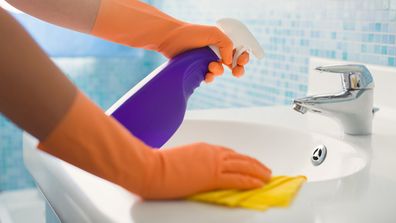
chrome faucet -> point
(353, 106)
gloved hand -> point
(134, 23)
(216, 68)
(189, 169)
(97, 143)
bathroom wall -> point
(290, 31)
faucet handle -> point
(354, 76)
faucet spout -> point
(299, 108)
(322, 103)
(352, 107)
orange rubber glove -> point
(137, 24)
(97, 143)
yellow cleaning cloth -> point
(279, 192)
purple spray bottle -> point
(154, 109)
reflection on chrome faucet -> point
(353, 106)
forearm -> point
(128, 22)
(78, 15)
(34, 93)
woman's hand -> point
(190, 36)
(137, 24)
(199, 167)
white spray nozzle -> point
(241, 37)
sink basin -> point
(285, 151)
(77, 196)
(353, 184)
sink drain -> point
(319, 155)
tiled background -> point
(290, 31)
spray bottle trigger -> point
(241, 37)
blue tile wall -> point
(291, 31)
(13, 174)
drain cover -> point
(319, 155)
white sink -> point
(286, 151)
(354, 183)
(78, 196)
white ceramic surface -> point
(81, 197)
(356, 183)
